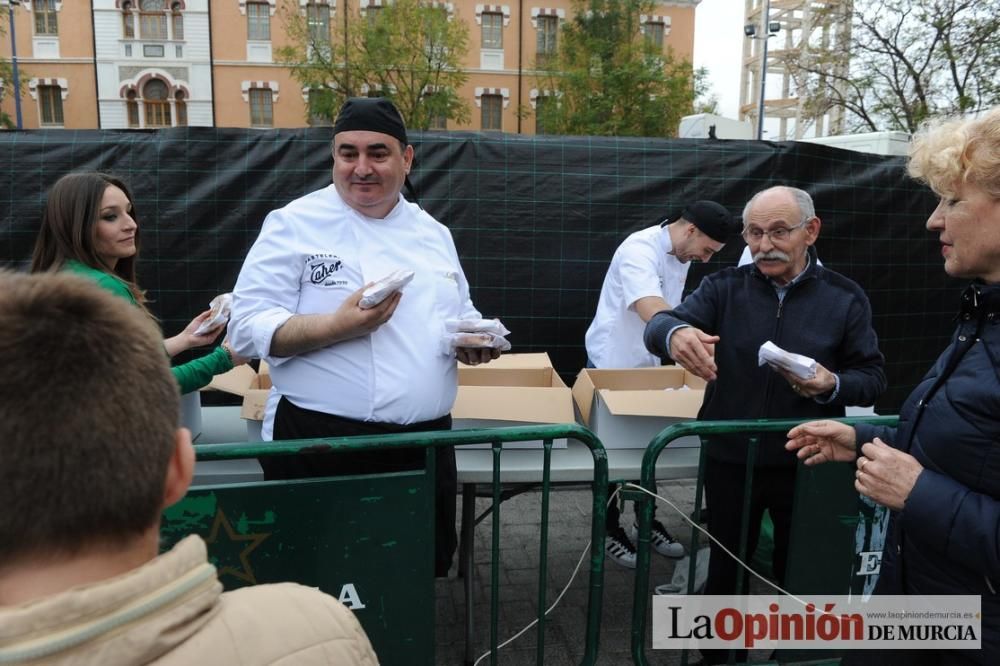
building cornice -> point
(54, 61)
(677, 3)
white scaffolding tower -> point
(813, 31)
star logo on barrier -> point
(250, 542)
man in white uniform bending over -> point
(647, 276)
(342, 370)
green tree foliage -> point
(905, 61)
(408, 51)
(609, 79)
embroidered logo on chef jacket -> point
(322, 268)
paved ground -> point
(569, 533)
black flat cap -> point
(372, 114)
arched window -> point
(157, 104)
(128, 21)
(152, 19)
(180, 106)
(177, 20)
(132, 109)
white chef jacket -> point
(641, 267)
(314, 253)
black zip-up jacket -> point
(824, 315)
(946, 540)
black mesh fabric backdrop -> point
(535, 219)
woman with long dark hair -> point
(89, 228)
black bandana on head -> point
(372, 114)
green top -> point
(192, 375)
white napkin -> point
(382, 289)
(221, 306)
(802, 367)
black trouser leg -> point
(773, 489)
(294, 422)
(445, 518)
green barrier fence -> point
(830, 522)
(367, 539)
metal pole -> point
(765, 34)
(13, 63)
(347, 55)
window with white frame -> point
(132, 109)
(542, 104)
(438, 121)
(152, 19)
(177, 20)
(318, 19)
(46, 22)
(128, 21)
(156, 98)
(372, 13)
(261, 107)
(492, 112)
(258, 21)
(492, 30)
(548, 30)
(435, 17)
(50, 106)
(319, 99)
(180, 107)
(653, 32)
(435, 102)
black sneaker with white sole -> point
(662, 542)
(619, 548)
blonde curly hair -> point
(948, 153)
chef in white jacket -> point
(646, 276)
(339, 369)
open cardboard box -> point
(627, 408)
(522, 361)
(515, 389)
(254, 387)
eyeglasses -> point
(779, 235)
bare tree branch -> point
(908, 60)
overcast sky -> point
(718, 46)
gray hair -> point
(801, 197)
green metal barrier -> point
(832, 478)
(316, 545)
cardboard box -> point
(515, 389)
(521, 391)
(626, 409)
(254, 387)
(536, 360)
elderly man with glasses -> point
(802, 307)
